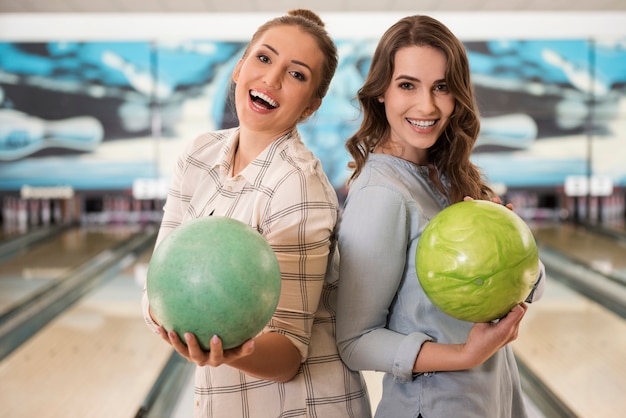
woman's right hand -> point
(191, 350)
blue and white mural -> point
(98, 115)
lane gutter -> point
(22, 323)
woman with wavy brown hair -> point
(451, 155)
(412, 160)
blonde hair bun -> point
(307, 14)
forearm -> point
(483, 341)
(435, 357)
(147, 312)
(274, 358)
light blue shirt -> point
(384, 316)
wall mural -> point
(98, 115)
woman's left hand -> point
(495, 199)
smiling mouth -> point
(263, 100)
(422, 123)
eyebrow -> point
(271, 48)
(407, 77)
(411, 78)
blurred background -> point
(98, 98)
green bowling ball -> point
(476, 260)
(214, 276)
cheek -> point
(394, 108)
(447, 106)
(240, 93)
(390, 114)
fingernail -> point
(187, 336)
(215, 339)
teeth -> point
(422, 123)
(264, 97)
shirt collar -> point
(254, 171)
(226, 154)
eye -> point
(405, 85)
(263, 58)
(441, 88)
(298, 75)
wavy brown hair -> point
(452, 150)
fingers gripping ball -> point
(214, 276)
(476, 260)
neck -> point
(259, 140)
(417, 157)
(251, 144)
(238, 163)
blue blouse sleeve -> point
(537, 291)
(373, 236)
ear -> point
(237, 70)
(315, 104)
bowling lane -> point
(97, 359)
(576, 348)
(599, 252)
(49, 262)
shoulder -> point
(385, 182)
(296, 155)
(381, 171)
(297, 167)
(209, 141)
(206, 150)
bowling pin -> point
(142, 81)
(56, 212)
(33, 212)
(146, 213)
(8, 213)
(579, 77)
(516, 130)
(135, 211)
(22, 215)
(593, 209)
(45, 212)
(22, 135)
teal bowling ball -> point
(476, 260)
(214, 276)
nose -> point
(272, 77)
(426, 100)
